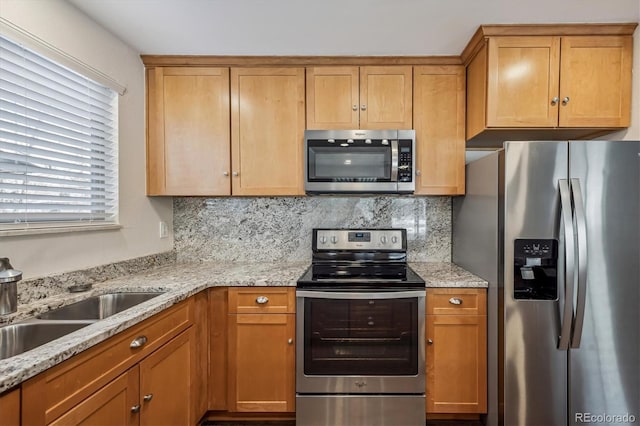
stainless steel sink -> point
(21, 337)
(98, 307)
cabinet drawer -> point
(55, 391)
(456, 301)
(277, 300)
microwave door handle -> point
(394, 161)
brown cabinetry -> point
(119, 382)
(368, 97)
(212, 131)
(438, 119)
(261, 350)
(575, 78)
(456, 351)
(267, 130)
(188, 134)
(10, 408)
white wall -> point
(69, 30)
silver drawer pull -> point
(261, 300)
(455, 301)
(429, 342)
(290, 341)
(148, 397)
(138, 342)
(135, 409)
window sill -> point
(35, 230)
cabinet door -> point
(188, 140)
(333, 99)
(456, 364)
(262, 362)
(595, 81)
(267, 130)
(438, 118)
(165, 383)
(385, 97)
(523, 80)
(114, 404)
(10, 408)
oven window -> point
(361, 337)
(353, 163)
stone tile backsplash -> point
(260, 229)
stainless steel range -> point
(360, 315)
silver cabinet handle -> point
(455, 301)
(290, 341)
(354, 107)
(135, 409)
(138, 342)
(226, 173)
(261, 300)
(555, 100)
(417, 172)
(235, 174)
(429, 342)
(363, 107)
(565, 100)
(148, 397)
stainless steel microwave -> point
(359, 161)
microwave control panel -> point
(405, 160)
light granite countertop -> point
(178, 281)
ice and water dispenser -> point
(535, 267)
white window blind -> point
(58, 143)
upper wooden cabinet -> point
(267, 131)
(438, 118)
(368, 97)
(215, 132)
(575, 78)
(188, 133)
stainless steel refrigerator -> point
(554, 227)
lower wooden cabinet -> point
(261, 350)
(10, 408)
(111, 405)
(456, 336)
(119, 383)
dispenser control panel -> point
(535, 269)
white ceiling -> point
(329, 27)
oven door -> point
(351, 167)
(360, 341)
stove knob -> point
(383, 239)
(334, 239)
(323, 240)
(394, 239)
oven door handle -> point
(368, 295)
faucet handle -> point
(5, 264)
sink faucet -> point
(9, 278)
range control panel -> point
(535, 269)
(360, 239)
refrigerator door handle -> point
(581, 225)
(569, 247)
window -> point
(58, 144)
